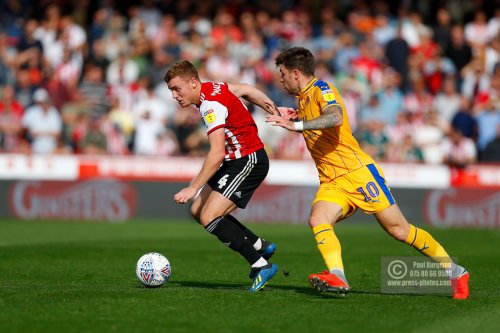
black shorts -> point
(238, 179)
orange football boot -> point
(325, 281)
(460, 286)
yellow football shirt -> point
(334, 150)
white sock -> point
(260, 263)
(258, 244)
(339, 273)
(456, 271)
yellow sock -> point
(328, 246)
(427, 245)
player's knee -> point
(205, 217)
(195, 213)
(314, 221)
(399, 232)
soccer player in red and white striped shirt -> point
(234, 167)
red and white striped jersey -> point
(221, 108)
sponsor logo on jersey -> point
(328, 95)
(209, 116)
(217, 89)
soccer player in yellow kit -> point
(349, 178)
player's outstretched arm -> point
(253, 95)
(212, 162)
(331, 117)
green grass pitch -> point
(80, 277)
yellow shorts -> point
(364, 188)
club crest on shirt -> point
(209, 116)
(328, 95)
(307, 100)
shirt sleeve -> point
(214, 115)
(325, 96)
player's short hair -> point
(298, 58)
(183, 69)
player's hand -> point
(280, 121)
(288, 113)
(185, 195)
(271, 108)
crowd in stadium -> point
(420, 81)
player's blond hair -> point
(182, 69)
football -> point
(153, 269)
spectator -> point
(384, 31)
(194, 47)
(412, 29)
(10, 130)
(458, 51)
(28, 42)
(488, 120)
(428, 136)
(69, 70)
(464, 120)
(346, 52)
(6, 61)
(166, 143)
(159, 112)
(492, 55)
(123, 70)
(156, 67)
(187, 129)
(24, 88)
(221, 66)
(494, 24)
(116, 141)
(93, 91)
(225, 30)
(365, 65)
(476, 82)
(373, 112)
(94, 141)
(76, 35)
(8, 103)
(373, 139)
(442, 29)
(326, 43)
(418, 100)
(42, 123)
(98, 55)
(491, 153)
(447, 101)
(458, 151)
(435, 70)
(397, 52)
(476, 32)
(390, 96)
(405, 151)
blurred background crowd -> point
(420, 79)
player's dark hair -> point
(183, 69)
(298, 58)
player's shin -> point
(427, 245)
(232, 236)
(329, 247)
(252, 238)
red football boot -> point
(460, 286)
(325, 281)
